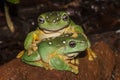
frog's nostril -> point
(72, 44)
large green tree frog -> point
(58, 53)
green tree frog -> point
(58, 53)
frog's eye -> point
(40, 20)
(65, 17)
(72, 44)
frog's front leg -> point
(91, 54)
(31, 40)
(31, 37)
(59, 63)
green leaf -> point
(14, 1)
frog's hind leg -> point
(33, 57)
(34, 63)
(58, 62)
(91, 54)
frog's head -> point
(53, 21)
(73, 46)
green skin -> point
(55, 53)
(52, 24)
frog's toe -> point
(91, 55)
(75, 70)
(47, 66)
(20, 54)
(90, 58)
(75, 61)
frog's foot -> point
(91, 54)
(74, 61)
(33, 48)
(74, 68)
(73, 64)
(29, 52)
(20, 54)
(60, 62)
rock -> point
(116, 70)
(99, 69)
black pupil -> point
(41, 20)
(65, 17)
(72, 44)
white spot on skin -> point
(50, 43)
(64, 42)
(54, 21)
(82, 41)
(47, 17)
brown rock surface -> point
(99, 69)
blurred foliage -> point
(14, 1)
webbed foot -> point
(91, 54)
(74, 68)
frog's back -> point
(48, 47)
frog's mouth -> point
(72, 55)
